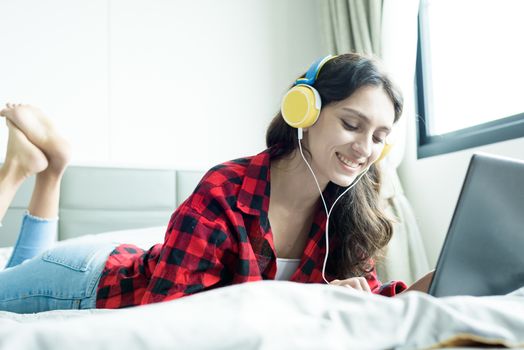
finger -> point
(353, 283)
(355, 286)
(364, 284)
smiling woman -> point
(353, 130)
(254, 218)
(355, 92)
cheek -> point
(377, 152)
(324, 139)
(337, 137)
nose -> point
(363, 145)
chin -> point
(343, 181)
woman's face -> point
(350, 135)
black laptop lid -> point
(483, 253)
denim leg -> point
(36, 235)
(64, 277)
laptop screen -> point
(483, 253)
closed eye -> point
(349, 126)
(378, 139)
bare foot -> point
(22, 157)
(41, 132)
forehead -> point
(371, 101)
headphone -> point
(301, 105)
(300, 109)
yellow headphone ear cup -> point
(384, 153)
(301, 106)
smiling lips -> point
(347, 162)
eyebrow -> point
(365, 117)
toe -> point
(4, 112)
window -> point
(470, 74)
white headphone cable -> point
(328, 212)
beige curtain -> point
(353, 25)
(385, 28)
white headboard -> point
(100, 199)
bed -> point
(121, 205)
(271, 315)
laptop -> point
(483, 253)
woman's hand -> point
(422, 284)
(358, 283)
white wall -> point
(433, 184)
(183, 84)
(186, 84)
(54, 55)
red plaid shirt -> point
(219, 236)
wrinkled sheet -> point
(271, 315)
(277, 315)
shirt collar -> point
(253, 197)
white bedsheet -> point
(271, 315)
(275, 315)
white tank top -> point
(286, 268)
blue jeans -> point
(63, 277)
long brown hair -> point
(358, 225)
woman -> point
(255, 218)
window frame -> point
(503, 129)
